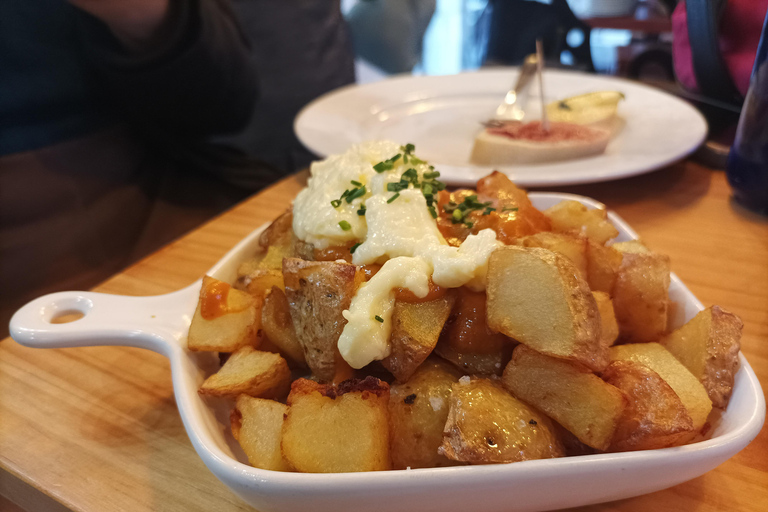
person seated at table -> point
(104, 111)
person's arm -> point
(178, 66)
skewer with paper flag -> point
(540, 72)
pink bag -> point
(725, 38)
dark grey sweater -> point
(102, 153)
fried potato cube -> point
(317, 293)
(275, 243)
(416, 327)
(708, 346)
(488, 425)
(251, 372)
(536, 297)
(571, 246)
(278, 327)
(631, 247)
(683, 382)
(655, 416)
(609, 329)
(468, 342)
(603, 264)
(418, 409)
(257, 425)
(574, 217)
(280, 232)
(641, 297)
(571, 395)
(225, 319)
(337, 429)
(515, 212)
(259, 282)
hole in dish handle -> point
(81, 319)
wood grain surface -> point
(96, 429)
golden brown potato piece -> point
(536, 297)
(571, 395)
(683, 382)
(317, 293)
(416, 327)
(708, 346)
(225, 319)
(571, 246)
(641, 297)
(280, 232)
(631, 247)
(602, 266)
(278, 326)
(259, 282)
(337, 429)
(488, 425)
(250, 372)
(655, 416)
(609, 329)
(417, 413)
(574, 217)
(257, 425)
(468, 342)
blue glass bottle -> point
(747, 167)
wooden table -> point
(96, 429)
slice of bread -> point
(528, 144)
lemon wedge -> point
(594, 108)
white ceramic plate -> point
(441, 115)
(160, 323)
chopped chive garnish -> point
(358, 192)
(361, 211)
(397, 194)
(336, 203)
(432, 211)
(489, 210)
(379, 319)
(354, 247)
(356, 183)
(345, 225)
(432, 174)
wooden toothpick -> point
(540, 71)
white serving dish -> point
(160, 324)
(442, 114)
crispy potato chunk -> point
(609, 329)
(417, 413)
(275, 243)
(708, 346)
(317, 293)
(259, 282)
(602, 266)
(655, 416)
(251, 372)
(225, 319)
(257, 425)
(641, 297)
(571, 246)
(278, 326)
(416, 327)
(513, 216)
(337, 429)
(468, 342)
(536, 297)
(574, 217)
(571, 395)
(280, 232)
(488, 425)
(683, 382)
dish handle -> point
(81, 319)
